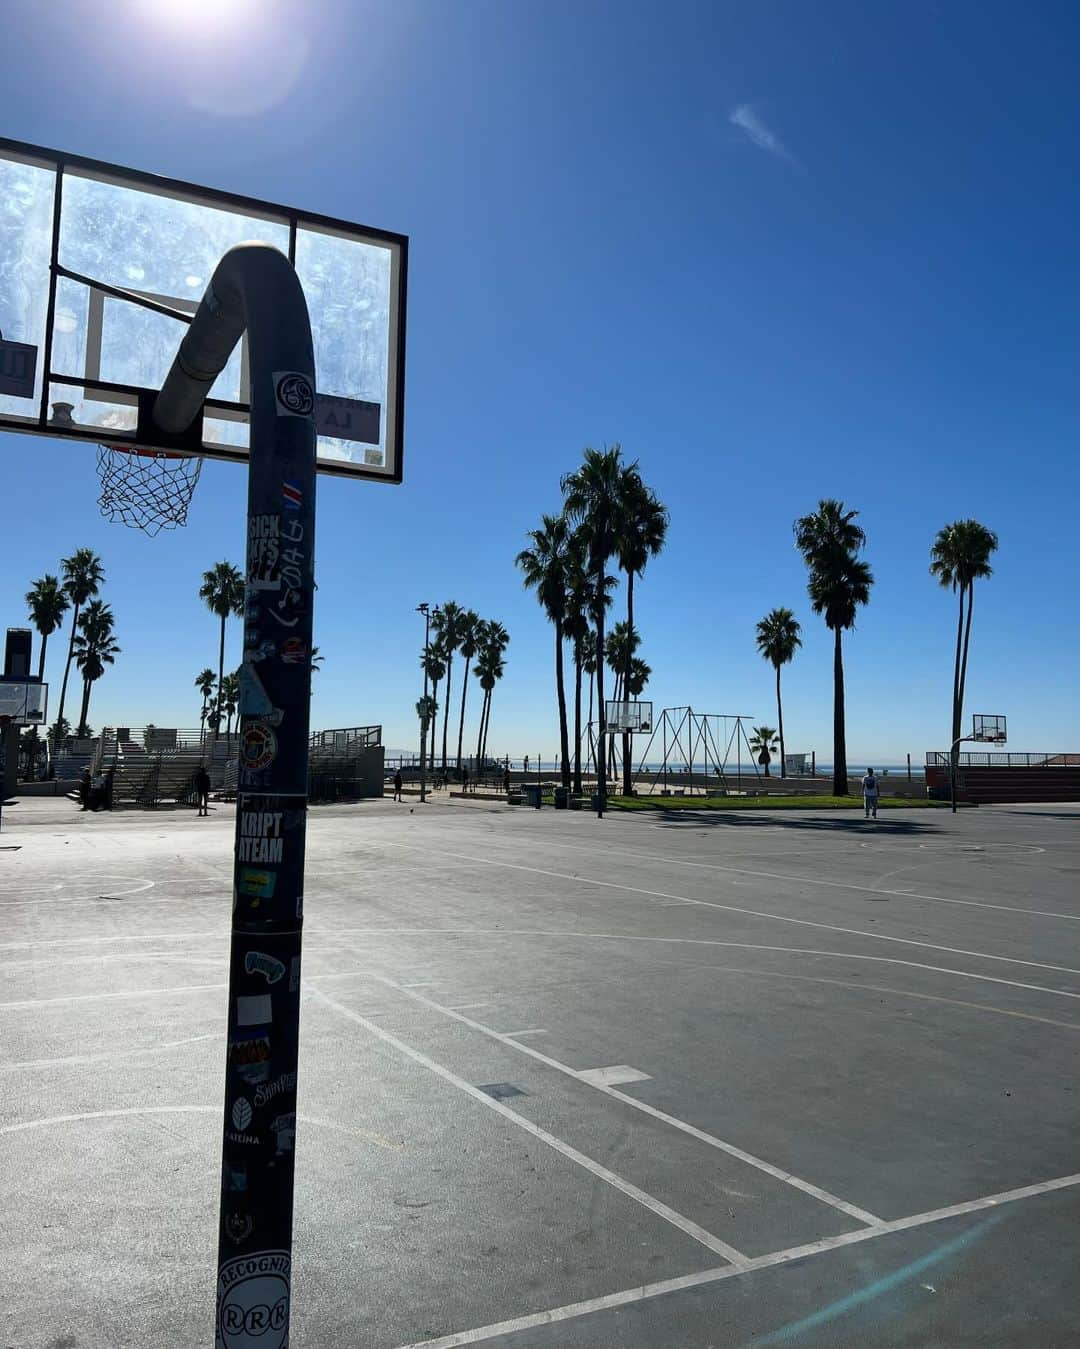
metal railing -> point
(936, 758)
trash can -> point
(562, 796)
(532, 793)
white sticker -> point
(253, 1302)
(254, 1011)
(293, 394)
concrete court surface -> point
(756, 1078)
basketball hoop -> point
(146, 489)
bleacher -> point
(152, 766)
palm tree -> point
(446, 623)
(434, 662)
(468, 635)
(829, 540)
(222, 591)
(230, 699)
(204, 682)
(642, 532)
(83, 578)
(427, 709)
(545, 566)
(763, 745)
(488, 670)
(593, 500)
(95, 648)
(959, 557)
(620, 649)
(777, 640)
(577, 631)
(317, 659)
(48, 603)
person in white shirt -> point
(870, 794)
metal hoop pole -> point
(255, 289)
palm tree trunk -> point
(839, 772)
(480, 732)
(560, 688)
(486, 721)
(588, 722)
(41, 659)
(954, 753)
(615, 698)
(67, 667)
(626, 773)
(780, 721)
(85, 706)
(220, 686)
(461, 719)
(577, 718)
(434, 724)
(964, 660)
(446, 709)
(601, 766)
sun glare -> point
(193, 17)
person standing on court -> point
(870, 794)
(397, 786)
(202, 790)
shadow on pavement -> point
(840, 824)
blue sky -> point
(778, 251)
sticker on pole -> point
(293, 394)
(258, 747)
(253, 1301)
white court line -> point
(757, 913)
(829, 885)
(468, 1006)
(509, 1033)
(78, 1060)
(852, 1210)
(114, 936)
(656, 1206)
(28, 1003)
(141, 888)
(647, 1291)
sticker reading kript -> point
(257, 962)
(258, 749)
(261, 836)
(293, 394)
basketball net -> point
(146, 489)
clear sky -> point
(778, 251)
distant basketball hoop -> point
(988, 729)
(627, 715)
(149, 490)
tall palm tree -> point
(230, 700)
(468, 642)
(959, 557)
(95, 647)
(222, 591)
(577, 630)
(620, 649)
(593, 498)
(763, 745)
(48, 603)
(544, 566)
(839, 581)
(204, 682)
(427, 709)
(434, 662)
(488, 670)
(641, 536)
(777, 640)
(83, 578)
(446, 623)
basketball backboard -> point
(988, 728)
(25, 703)
(623, 715)
(102, 268)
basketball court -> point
(748, 1078)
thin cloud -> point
(757, 133)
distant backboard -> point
(101, 268)
(25, 703)
(988, 728)
(623, 715)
